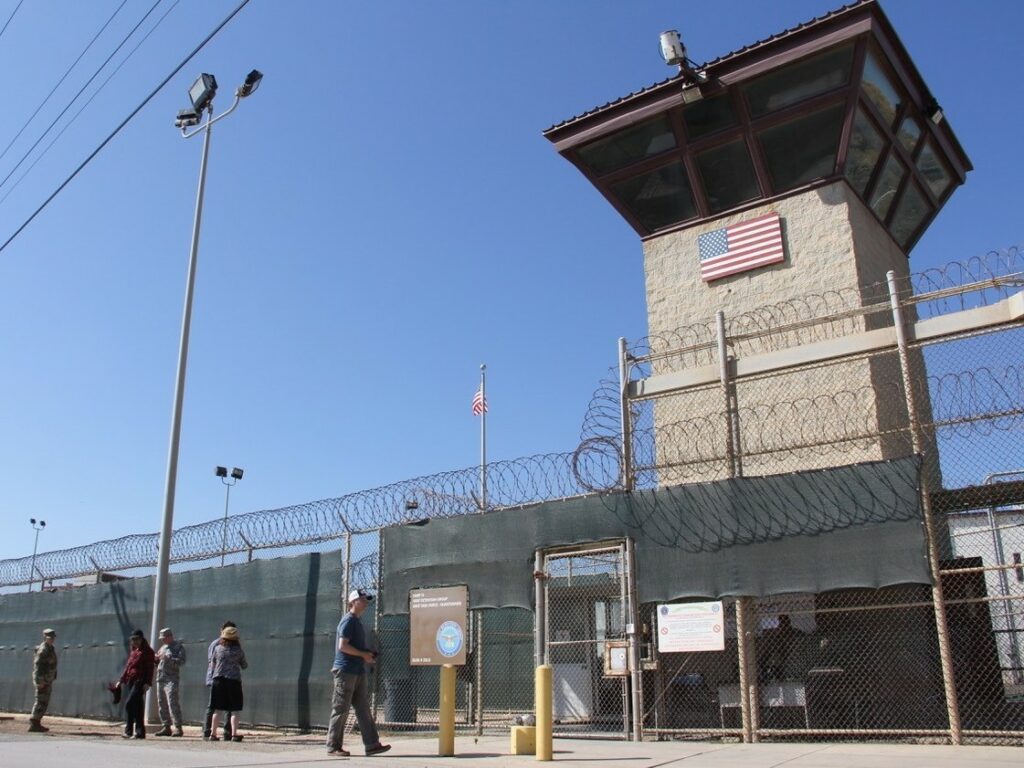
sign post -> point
(437, 638)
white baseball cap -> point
(355, 594)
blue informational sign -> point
(449, 639)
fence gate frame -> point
(619, 555)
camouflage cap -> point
(49, 632)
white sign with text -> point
(691, 627)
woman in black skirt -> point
(227, 661)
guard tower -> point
(808, 163)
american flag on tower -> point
(747, 245)
(479, 403)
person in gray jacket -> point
(170, 657)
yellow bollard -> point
(523, 740)
(542, 703)
(446, 717)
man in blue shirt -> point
(351, 658)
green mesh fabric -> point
(286, 610)
(851, 526)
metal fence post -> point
(635, 675)
(540, 611)
(249, 546)
(624, 416)
(941, 624)
(478, 694)
(375, 693)
(345, 585)
(745, 650)
(732, 429)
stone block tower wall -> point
(854, 407)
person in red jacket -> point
(135, 681)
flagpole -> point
(483, 440)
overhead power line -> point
(9, 18)
(124, 122)
(80, 92)
(59, 82)
(88, 101)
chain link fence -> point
(833, 380)
(825, 381)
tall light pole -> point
(236, 475)
(201, 95)
(37, 526)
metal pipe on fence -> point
(624, 619)
(375, 693)
(941, 623)
(624, 417)
(247, 544)
(635, 676)
(732, 436)
(745, 650)
(540, 611)
(346, 587)
(745, 655)
(478, 692)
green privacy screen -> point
(286, 611)
(852, 526)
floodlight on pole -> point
(202, 92)
(37, 526)
(236, 475)
(201, 95)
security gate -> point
(586, 619)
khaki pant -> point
(169, 701)
(350, 691)
(42, 701)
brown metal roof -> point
(774, 39)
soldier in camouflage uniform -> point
(168, 675)
(44, 672)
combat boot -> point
(165, 731)
(34, 726)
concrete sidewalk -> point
(82, 744)
(31, 751)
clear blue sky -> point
(381, 217)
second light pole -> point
(236, 475)
(37, 526)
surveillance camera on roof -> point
(672, 49)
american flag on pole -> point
(479, 403)
(747, 245)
